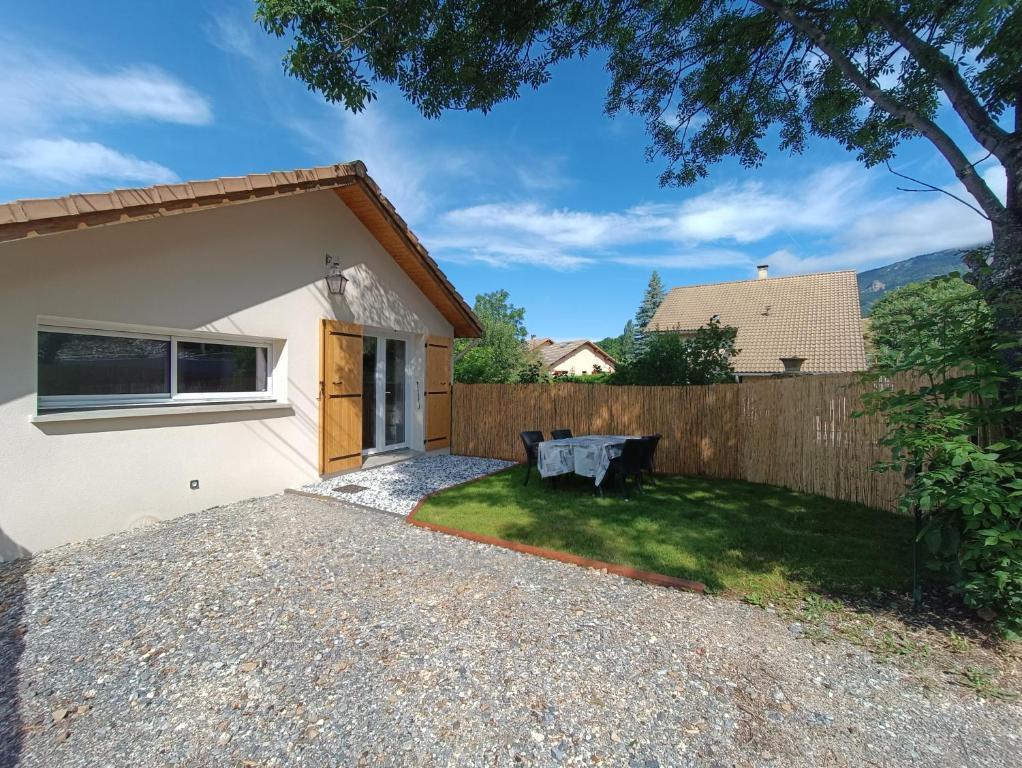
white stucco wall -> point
(254, 269)
(582, 361)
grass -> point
(983, 682)
(756, 541)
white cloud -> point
(834, 218)
(140, 92)
(750, 212)
(496, 252)
(43, 88)
(900, 234)
(52, 102)
(997, 180)
(411, 172)
(703, 258)
(383, 136)
(898, 227)
(529, 234)
(558, 227)
(689, 233)
(77, 162)
(235, 32)
(541, 173)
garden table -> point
(587, 455)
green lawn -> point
(732, 536)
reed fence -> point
(798, 432)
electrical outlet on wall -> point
(194, 485)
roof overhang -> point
(350, 181)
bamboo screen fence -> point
(794, 432)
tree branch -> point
(981, 125)
(931, 188)
(992, 207)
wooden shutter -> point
(438, 392)
(340, 402)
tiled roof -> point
(45, 216)
(552, 352)
(811, 316)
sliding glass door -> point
(384, 393)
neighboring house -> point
(812, 318)
(577, 357)
(176, 347)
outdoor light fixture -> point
(336, 282)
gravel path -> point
(292, 631)
(398, 487)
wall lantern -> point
(336, 282)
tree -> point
(671, 358)
(496, 308)
(612, 346)
(651, 301)
(500, 354)
(711, 78)
(620, 347)
(944, 311)
(628, 342)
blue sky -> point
(546, 196)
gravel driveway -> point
(288, 630)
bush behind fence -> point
(794, 432)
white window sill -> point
(146, 411)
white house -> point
(577, 357)
(172, 348)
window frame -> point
(47, 403)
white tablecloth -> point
(588, 455)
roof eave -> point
(465, 322)
(22, 219)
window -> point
(90, 365)
(204, 368)
(96, 368)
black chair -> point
(649, 459)
(561, 434)
(531, 441)
(629, 464)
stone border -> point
(657, 579)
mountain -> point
(874, 283)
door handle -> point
(337, 383)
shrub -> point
(672, 358)
(940, 384)
(585, 378)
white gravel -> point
(292, 631)
(397, 488)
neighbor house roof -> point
(811, 316)
(553, 352)
(350, 181)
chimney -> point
(792, 365)
(762, 269)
